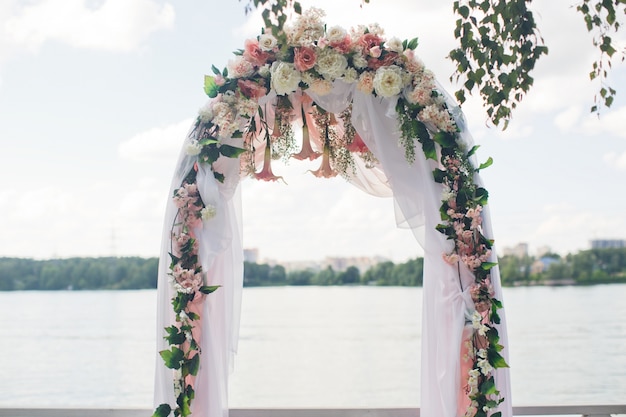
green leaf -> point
(218, 176)
(209, 140)
(173, 357)
(439, 175)
(495, 359)
(174, 337)
(481, 196)
(208, 289)
(486, 164)
(162, 410)
(488, 387)
(297, 8)
(231, 151)
(428, 146)
(215, 70)
(210, 87)
(486, 266)
(192, 365)
(445, 139)
(412, 44)
(473, 150)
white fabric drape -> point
(417, 199)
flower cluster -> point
(462, 215)
(187, 280)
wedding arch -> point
(374, 114)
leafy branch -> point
(499, 45)
(601, 20)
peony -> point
(321, 86)
(367, 41)
(366, 83)
(267, 42)
(240, 67)
(359, 61)
(388, 81)
(253, 53)
(331, 64)
(285, 78)
(251, 89)
(350, 75)
(304, 58)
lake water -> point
(306, 347)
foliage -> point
(499, 45)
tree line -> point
(594, 266)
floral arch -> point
(365, 105)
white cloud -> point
(616, 160)
(156, 144)
(611, 122)
(567, 119)
(115, 25)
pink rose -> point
(387, 60)
(342, 46)
(368, 41)
(251, 89)
(219, 80)
(375, 51)
(304, 58)
(254, 54)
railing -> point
(544, 410)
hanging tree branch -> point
(499, 46)
(601, 20)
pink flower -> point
(367, 41)
(451, 258)
(304, 58)
(375, 52)
(251, 89)
(254, 54)
(219, 80)
(266, 173)
(387, 60)
(344, 46)
(325, 170)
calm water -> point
(307, 346)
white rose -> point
(267, 42)
(388, 81)
(394, 45)
(350, 75)
(285, 78)
(264, 71)
(331, 64)
(193, 148)
(336, 34)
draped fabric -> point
(417, 199)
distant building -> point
(608, 243)
(362, 263)
(520, 250)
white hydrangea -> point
(205, 113)
(193, 148)
(208, 212)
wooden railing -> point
(544, 410)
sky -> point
(96, 97)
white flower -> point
(477, 320)
(285, 78)
(485, 366)
(388, 81)
(267, 42)
(336, 34)
(264, 71)
(395, 45)
(208, 212)
(193, 148)
(321, 87)
(350, 75)
(331, 64)
(359, 61)
(447, 193)
(183, 316)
